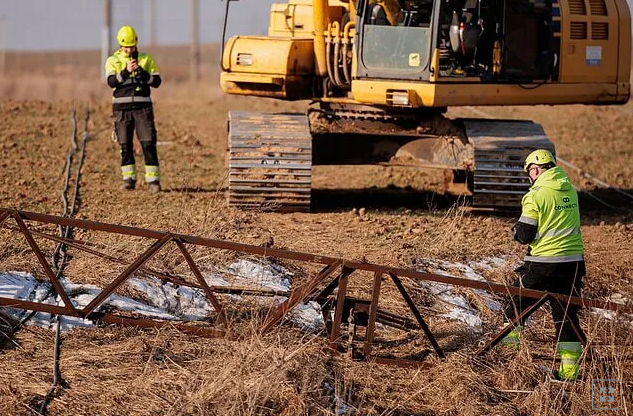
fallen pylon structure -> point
(337, 308)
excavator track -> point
(501, 147)
(270, 161)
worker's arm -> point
(525, 230)
(153, 80)
(114, 78)
(149, 73)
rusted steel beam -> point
(3, 216)
(33, 306)
(68, 305)
(207, 290)
(327, 291)
(506, 329)
(300, 256)
(298, 295)
(373, 309)
(105, 293)
(338, 311)
(417, 315)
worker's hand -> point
(132, 65)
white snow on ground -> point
(268, 275)
(612, 315)
(458, 307)
(163, 301)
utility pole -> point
(105, 34)
(152, 22)
(194, 70)
(3, 51)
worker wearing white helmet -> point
(131, 74)
(550, 225)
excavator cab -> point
(397, 40)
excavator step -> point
(270, 161)
(501, 147)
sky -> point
(46, 25)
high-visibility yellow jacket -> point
(131, 90)
(550, 220)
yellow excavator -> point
(380, 75)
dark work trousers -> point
(141, 119)
(563, 278)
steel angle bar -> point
(342, 281)
(207, 290)
(373, 309)
(506, 330)
(105, 293)
(33, 306)
(69, 308)
(3, 216)
(417, 315)
(298, 295)
(322, 297)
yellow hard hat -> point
(538, 157)
(127, 36)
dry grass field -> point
(114, 370)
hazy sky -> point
(77, 24)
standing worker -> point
(550, 224)
(131, 74)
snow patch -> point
(157, 300)
(612, 315)
(459, 308)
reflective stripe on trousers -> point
(128, 171)
(121, 100)
(152, 174)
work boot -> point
(154, 187)
(128, 184)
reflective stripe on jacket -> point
(131, 90)
(551, 205)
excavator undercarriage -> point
(271, 155)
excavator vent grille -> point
(578, 30)
(600, 31)
(577, 7)
(598, 7)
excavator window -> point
(497, 40)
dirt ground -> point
(117, 370)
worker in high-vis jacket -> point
(550, 225)
(131, 74)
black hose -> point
(60, 254)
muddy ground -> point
(115, 370)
